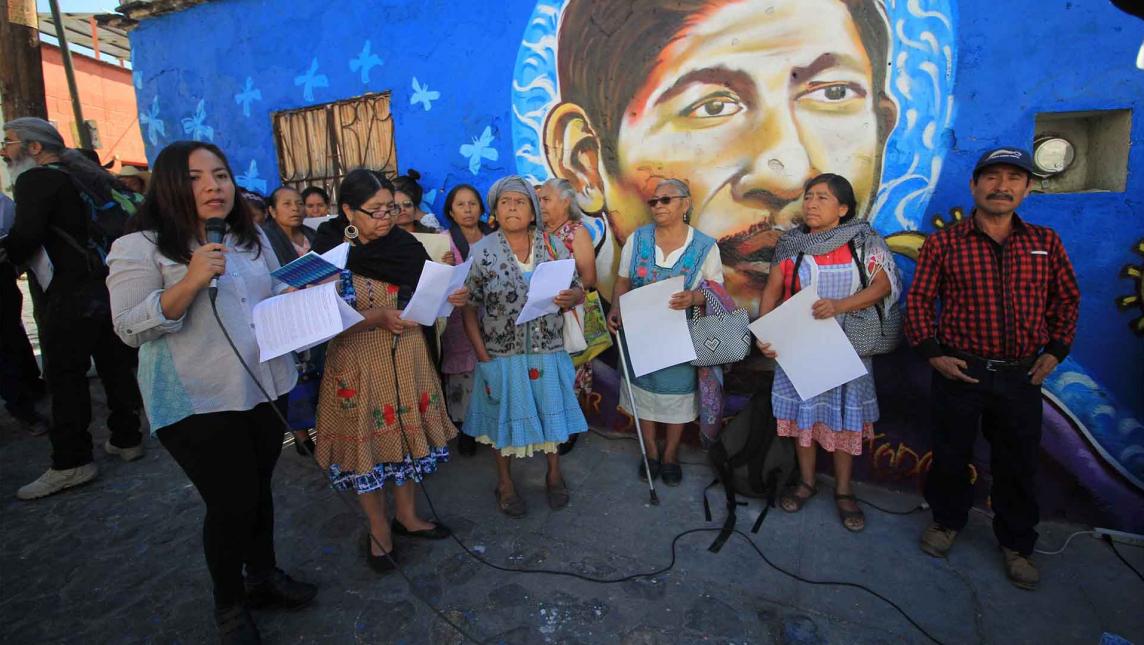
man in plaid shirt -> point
(1009, 304)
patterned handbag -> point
(720, 337)
(877, 329)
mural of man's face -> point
(750, 101)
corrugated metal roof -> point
(113, 40)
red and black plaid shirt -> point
(1000, 301)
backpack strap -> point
(794, 285)
(93, 265)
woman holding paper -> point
(463, 208)
(203, 406)
(666, 248)
(381, 416)
(523, 399)
(819, 254)
(290, 240)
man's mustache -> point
(1000, 196)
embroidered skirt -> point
(524, 403)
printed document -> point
(815, 354)
(300, 320)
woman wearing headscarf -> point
(820, 255)
(522, 401)
(563, 220)
(381, 415)
(290, 240)
(463, 209)
(666, 248)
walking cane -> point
(636, 414)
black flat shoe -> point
(279, 590)
(379, 563)
(438, 532)
(652, 464)
(306, 448)
(567, 446)
(671, 474)
(236, 626)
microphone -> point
(216, 230)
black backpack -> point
(750, 459)
(107, 221)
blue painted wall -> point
(1001, 62)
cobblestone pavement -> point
(119, 561)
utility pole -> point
(69, 71)
(22, 72)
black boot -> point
(279, 590)
(236, 626)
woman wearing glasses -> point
(407, 194)
(382, 420)
(666, 248)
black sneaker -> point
(236, 626)
(654, 465)
(279, 590)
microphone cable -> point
(523, 570)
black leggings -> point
(230, 458)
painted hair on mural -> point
(169, 208)
(606, 52)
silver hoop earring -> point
(351, 232)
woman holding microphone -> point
(203, 406)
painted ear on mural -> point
(573, 153)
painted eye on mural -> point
(833, 93)
(716, 105)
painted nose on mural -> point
(779, 168)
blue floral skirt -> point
(398, 473)
(524, 403)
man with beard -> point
(74, 315)
(1009, 306)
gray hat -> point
(32, 129)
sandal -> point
(792, 502)
(557, 496)
(854, 521)
(512, 506)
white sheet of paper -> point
(815, 354)
(430, 298)
(548, 280)
(301, 319)
(338, 255)
(41, 265)
(436, 245)
(657, 335)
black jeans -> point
(20, 383)
(1008, 409)
(230, 458)
(75, 327)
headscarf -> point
(874, 250)
(396, 258)
(517, 184)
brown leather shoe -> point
(1021, 570)
(938, 540)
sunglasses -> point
(665, 200)
(405, 204)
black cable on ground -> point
(420, 480)
(1112, 545)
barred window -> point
(318, 145)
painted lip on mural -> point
(749, 251)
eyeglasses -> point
(404, 205)
(665, 200)
(385, 212)
(8, 142)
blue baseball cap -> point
(1009, 156)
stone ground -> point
(119, 561)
